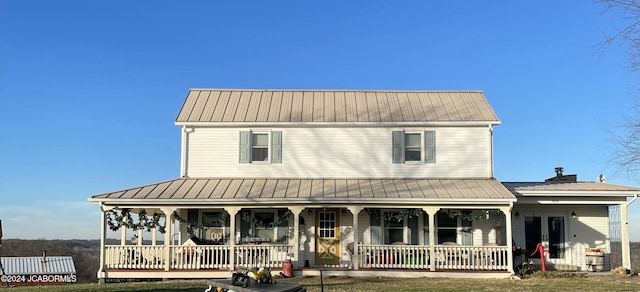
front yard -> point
(592, 282)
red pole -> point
(540, 248)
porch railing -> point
(394, 256)
(470, 257)
(199, 257)
(258, 255)
(273, 255)
(445, 257)
(134, 257)
(195, 257)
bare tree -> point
(626, 152)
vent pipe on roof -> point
(44, 256)
(601, 178)
(560, 176)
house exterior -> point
(350, 183)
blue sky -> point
(89, 90)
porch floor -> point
(309, 272)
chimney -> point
(44, 256)
(560, 176)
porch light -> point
(573, 214)
(517, 214)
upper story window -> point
(414, 146)
(260, 146)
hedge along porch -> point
(315, 232)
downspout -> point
(102, 275)
(626, 249)
(183, 151)
(491, 150)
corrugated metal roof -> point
(282, 189)
(559, 186)
(326, 106)
(53, 265)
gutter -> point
(460, 201)
(334, 124)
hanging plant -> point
(396, 215)
(116, 220)
(191, 226)
(246, 217)
(475, 215)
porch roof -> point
(295, 190)
(570, 188)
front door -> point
(327, 237)
(548, 229)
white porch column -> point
(296, 231)
(102, 274)
(140, 239)
(509, 235)
(431, 212)
(355, 211)
(168, 224)
(123, 232)
(624, 236)
(232, 233)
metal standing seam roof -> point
(53, 265)
(274, 189)
(559, 186)
(326, 106)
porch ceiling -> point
(236, 190)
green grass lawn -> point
(599, 283)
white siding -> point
(589, 229)
(484, 232)
(340, 152)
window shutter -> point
(375, 228)
(283, 228)
(430, 146)
(276, 147)
(245, 227)
(414, 231)
(245, 146)
(397, 145)
(192, 218)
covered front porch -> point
(313, 238)
(194, 228)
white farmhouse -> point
(352, 183)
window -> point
(264, 228)
(260, 146)
(212, 219)
(327, 225)
(394, 230)
(454, 229)
(394, 226)
(413, 147)
(447, 228)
